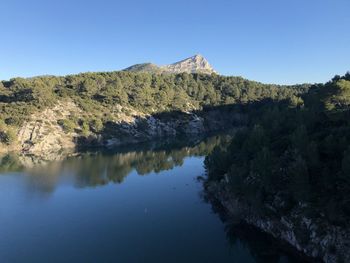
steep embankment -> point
(45, 132)
(313, 237)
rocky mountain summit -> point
(194, 64)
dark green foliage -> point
(298, 150)
(67, 125)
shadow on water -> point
(261, 246)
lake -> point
(135, 205)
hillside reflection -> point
(91, 169)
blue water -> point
(113, 208)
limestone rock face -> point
(41, 133)
(194, 64)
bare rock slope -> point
(41, 133)
(194, 64)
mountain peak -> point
(194, 64)
(197, 56)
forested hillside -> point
(292, 163)
(100, 95)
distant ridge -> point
(194, 64)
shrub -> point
(67, 125)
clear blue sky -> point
(274, 41)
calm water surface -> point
(134, 206)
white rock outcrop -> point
(194, 64)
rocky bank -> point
(42, 133)
(313, 237)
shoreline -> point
(322, 242)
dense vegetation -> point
(98, 94)
(293, 155)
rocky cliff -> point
(316, 238)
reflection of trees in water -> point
(100, 168)
(42, 182)
(10, 163)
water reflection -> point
(122, 219)
(91, 169)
